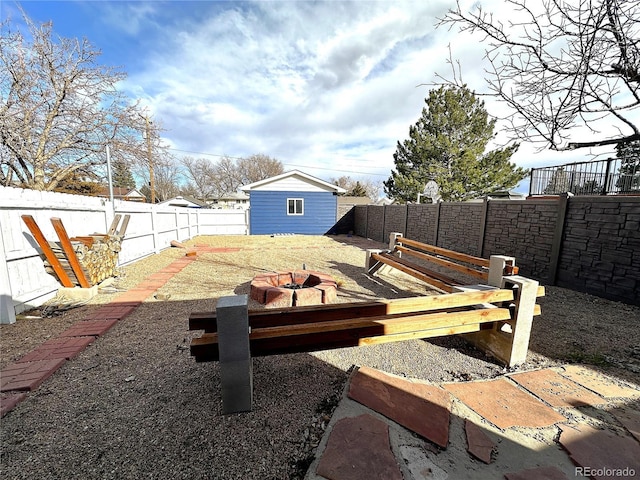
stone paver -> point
(600, 450)
(540, 473)
(9, 400)
(87, 328)
(630, 418)
(359, 449)
(422, 408)
(556, 390)
(478, 442)
(59, 347)
(116, 310)
(598, 382)
(27, 376)
(504, 404)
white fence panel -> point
(24, 284)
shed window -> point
(295, 206)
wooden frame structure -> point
(74, 273)
(497, 318)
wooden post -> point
(48, 253)
(70, 253)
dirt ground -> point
(135, 402)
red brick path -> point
(29, 372)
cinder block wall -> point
(590, 244)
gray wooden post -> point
(236, 372)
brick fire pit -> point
(295, 288)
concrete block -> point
(77, 293)
(236, 371)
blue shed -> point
(292, 202)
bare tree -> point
(168, 178)
(59, 109)
(368, 188)
(575, 63)
(258, 167)
(201, 174)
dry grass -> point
(135, 404)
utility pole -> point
(152, 181)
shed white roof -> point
(293, 180)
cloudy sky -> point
(325, 87)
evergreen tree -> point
(122, 176)
(358, 190)
(447, 145)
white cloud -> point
(322, 85)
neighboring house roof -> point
(384, 201)
(188, 202)
(293, 180)
(354, 200)
(121, 192)
(233, 196)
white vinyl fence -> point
(24, 284)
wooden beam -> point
(123, 227)
(70, 253)
(439, 283)
(482, 262)
(384, 325)
(270, 342)
(48, 253)
(445, 263)
(114, 224)
(319, 313)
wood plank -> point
(114, 224)
(205, 348)
(431, 280)
(445, 263)
(70, 253)
(318, 313)
(482, 262)
(123, 227)
(384, 325)
(48, 253)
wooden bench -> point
(438, 266)
(497, 318)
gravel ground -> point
(136, 405)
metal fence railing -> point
(601, 177)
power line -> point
(285, 164)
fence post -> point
(556, 246)
(483, 226)
(7, 310)
(154, 229)
(436, 225)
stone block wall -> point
(360, 220)
(590, 243)
(422, 223)
(524, 230)
(395, 220)
(375, 223)
(459, 227)
(601, 247)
